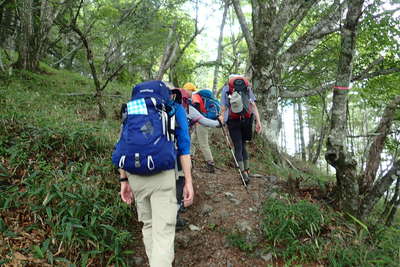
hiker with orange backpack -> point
(183, 97)
(200, 132)
(238, 111)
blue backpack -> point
(147, 144)
(211, 104)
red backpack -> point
(239, 98)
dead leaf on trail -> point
(20, 256)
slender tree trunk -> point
(365, 141)
(301, 132)
(371, 192)
(391, 205)
(219, 51)
(311, 143)
(336, 155)
(283, 135)
(90, 60)
(170, 51)
(323, 131)
(295, 130)
(374, 154)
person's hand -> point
(188, 195)
(221, 118)
(220, 122)
(126, 193)
(258, 127)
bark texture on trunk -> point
(8, 23)
(301, 129)
(337, 155)
(370, 190)
(374, 154)
(36, 20)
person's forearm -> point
(196, 116)
(223, 108)
(186, 167)
(255, 110)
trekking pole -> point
(234, 157)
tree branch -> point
(369, 135)
(386, 12)
(370, 66)
(233, 42)
(300, 15)
(381, 186)
(245, 28)
(66, 55)
(314, 35)
(306, 93)
(363, 76)
(111, 77)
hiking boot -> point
(246, 177)
(180, 223)
(210, 167)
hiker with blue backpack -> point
(205, 102)
(239, 111)
(146, 155)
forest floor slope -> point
(222, 210)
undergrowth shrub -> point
(24, 144)
(83, 219)
(302, 232)
(377, 247)
(293, 229)
(239, 240)
(61, 178)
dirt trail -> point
(222, 207)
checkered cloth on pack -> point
(137, 107)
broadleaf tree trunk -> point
(337, 154)
(36, 20)
(271, 51)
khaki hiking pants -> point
(155, 199)
(200, 135)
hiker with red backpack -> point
(238, 111)
(205, 102)
(146, 155)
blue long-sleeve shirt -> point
(182, 131)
